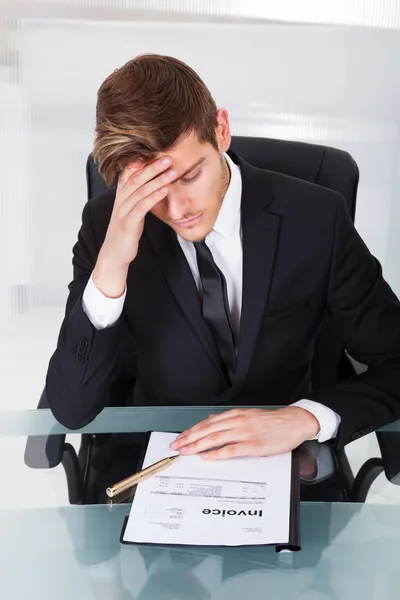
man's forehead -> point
(182, 163)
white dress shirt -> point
(225, 243)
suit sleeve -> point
(366, 313)
(84, 365)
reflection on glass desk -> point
(350, 552)
(67, 550)
(110, 448)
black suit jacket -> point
(301, 258)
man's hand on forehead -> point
(140, 187)
(140, 165)
(151, 169)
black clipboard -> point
(294, 542)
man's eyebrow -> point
(196, 164)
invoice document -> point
(232, 502)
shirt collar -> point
(229, 212)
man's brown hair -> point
(146, 107)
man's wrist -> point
(306, 421)
(110, 279)
(328, 419)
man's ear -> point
(223, 130)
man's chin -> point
(193, 234)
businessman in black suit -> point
(220, 273)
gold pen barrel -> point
(128, 482)
(123, 485)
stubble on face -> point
(224, 182)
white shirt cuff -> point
(101, 311)
(328, 420)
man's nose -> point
(177, 206)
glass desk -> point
(52, 549)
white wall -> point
(327, 85)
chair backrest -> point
(325, 166)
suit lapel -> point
(260, 234)
(180, 281)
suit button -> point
(367, 430)
(81, 350)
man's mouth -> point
(189, 222)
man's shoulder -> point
(293, 195)
(281, 183)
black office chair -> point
(328, 167)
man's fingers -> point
(234, 412)
(231, 451)
(142, 207)
(134, 178)
(127, 172)
(228, 414)
(146, 191)
(207, 429)
(213, 440)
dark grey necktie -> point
(215, 307)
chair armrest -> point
(48, 451)
(389, 444)
(389, 441)
(44, 451)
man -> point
(221, 274)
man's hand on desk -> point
(248, 432)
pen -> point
(123, 485)
(119, 498)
